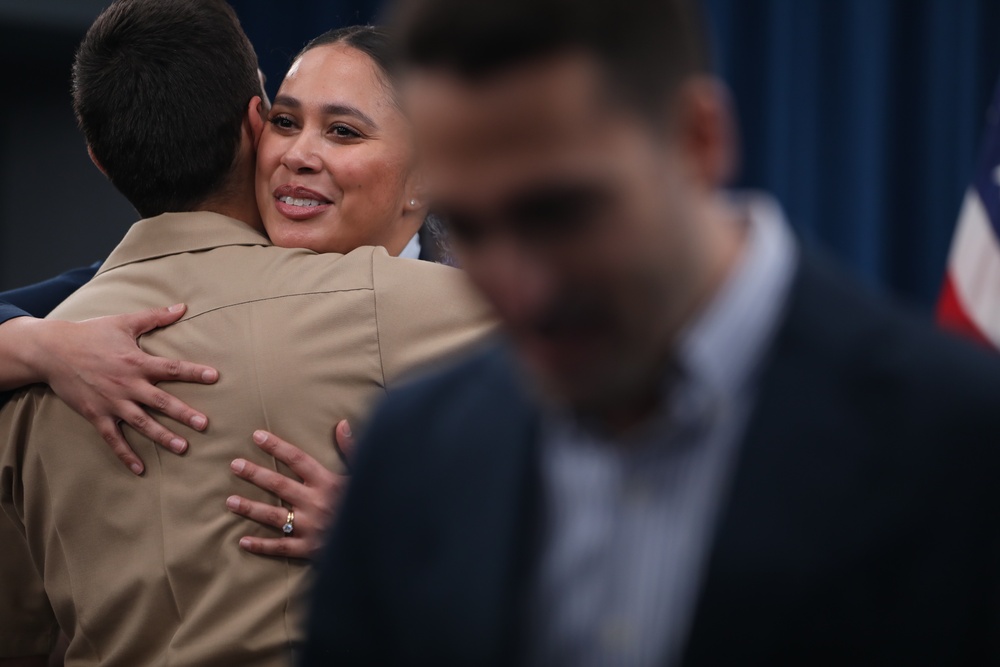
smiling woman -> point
(336, 164)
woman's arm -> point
(314, 500)
(40, 299)
(98, 369)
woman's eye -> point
(282, 122)
(344, 132)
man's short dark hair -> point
(645, 46)
(160, 89)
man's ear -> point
(707, 130)
(97, 163)
(255, 119)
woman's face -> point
(335, 160)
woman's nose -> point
(302, 156)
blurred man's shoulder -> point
(484, 375)
(862, 338)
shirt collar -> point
(412, 249)
(176, 233)
(719, 351)
(721, 348)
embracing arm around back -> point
(426, 314)
(313, 498)
(98, 369)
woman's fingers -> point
(145, 321)
(98, 369)
(314, 499)
(157, 369)
(306, 467)
(343, 440)
(173, 407)
(108, 428)
(282, 547)
(289, 490)
(160, 369)
(141, 421)
(270, 515)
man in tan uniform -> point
(148, 571)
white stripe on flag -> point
(974, 266)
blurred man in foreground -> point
(699, 445)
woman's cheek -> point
(269, 152)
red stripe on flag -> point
(952, 316)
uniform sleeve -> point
(27, 625)
(426, 314)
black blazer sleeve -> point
(9, 311)
(41, 298)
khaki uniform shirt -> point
(147, 570)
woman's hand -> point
(314, 500)
(98, 369)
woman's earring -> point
(413, 203)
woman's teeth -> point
(292, 201)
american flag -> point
(970, 300)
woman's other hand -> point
(313, 500)
(98, 369)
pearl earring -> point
(413, 203)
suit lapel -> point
(727, 622)
(771, 538)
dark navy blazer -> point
(40, 299)
(861, 527)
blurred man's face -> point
(572, 215)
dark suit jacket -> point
(39, 299)
(862, 526)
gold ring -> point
(289, 523)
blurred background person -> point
(697, 443)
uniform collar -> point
(176, 233)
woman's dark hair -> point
(371, 40)
(160, 90)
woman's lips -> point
(298, 203)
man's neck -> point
(725, 243)
(238, 209)
(236, 198)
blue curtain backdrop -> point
(863, 116)
(280, 28)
